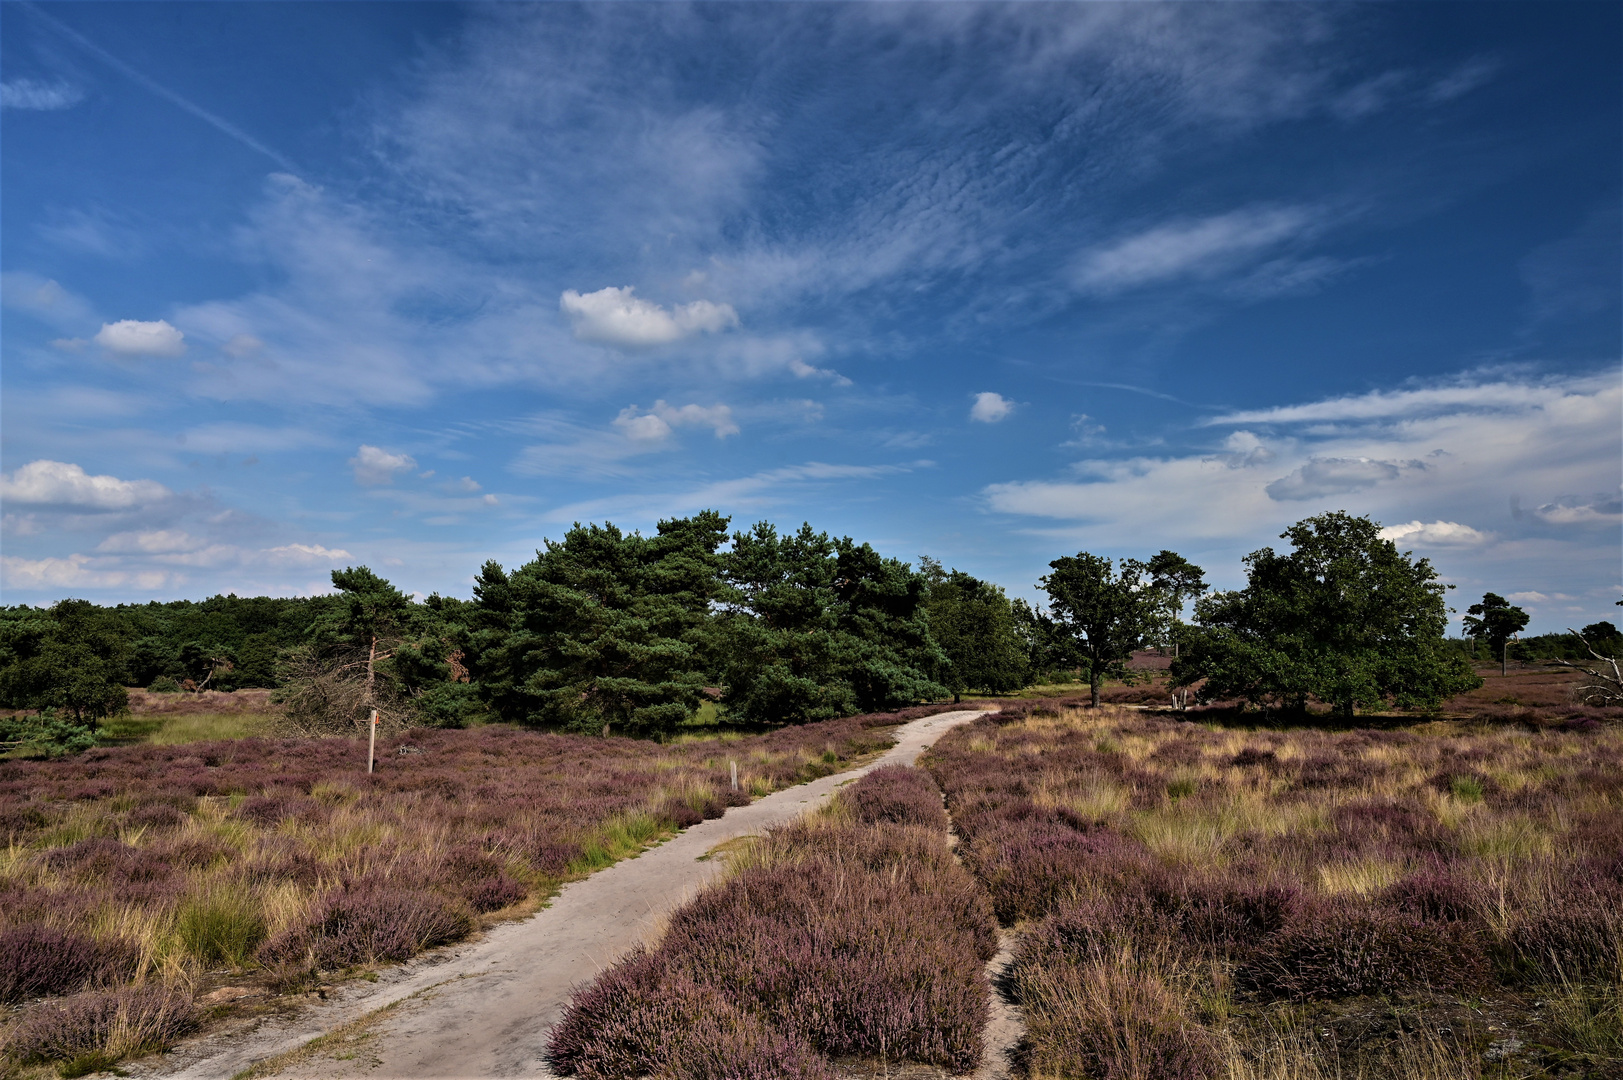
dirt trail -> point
(484, 1009)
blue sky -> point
(293, 286)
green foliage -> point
(602, 629)
(1101, 614)
(46, 734)
(817, 628)
(980, 631)
(1495, 621)
(1343, 617)
(71, 657)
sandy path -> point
(511, 985)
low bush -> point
(91, 1032)
(368, 923)
(798, 952)
(36, 960)
(1340, 949)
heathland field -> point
(1194, 901)
(139, 882)
(1188, 896)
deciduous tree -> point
(1101, 613)
(1343, 617)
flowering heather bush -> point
(1170, 875)
(796, 955)
(93, 1031)
(131, 861)
(36, 960)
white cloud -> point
(154, 542)
(802, 370)
(1529, 597)
(1474, 396)
(1539, 438)
(1581, 510)
(239, 346)
(1200, 248)
(989, 408)
(614, 316)
(1336, 476)
(643, 428)
(60, 483)
(1435, 533)
(302, 555)
(33, 95)
(44, 298)
(374, 465)
(75, 572)
(1243, 450)
(657, 423)
(131, 337)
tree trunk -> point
(1094, 685)
(1504, 656)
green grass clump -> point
(221, 926)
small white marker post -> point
(372, 743)
(735, 776)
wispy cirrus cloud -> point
(36, 95)
(1200, 248)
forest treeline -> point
(604, 629)
(607, 631)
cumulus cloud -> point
(657, 423)
(1200, 248)
(1532, 596)
(303, 555)
(1336, 476)
(1435, 533)
(37, 96)
(614, 316)
(989, 408)
(374, 466)
(132, 337)
(61, 483)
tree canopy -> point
(980, 631)
(1343, 617)
(1495, 621)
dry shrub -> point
(799, 949)
(91, 1032)
(36, 960)
(1109, 1014)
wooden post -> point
(372, 742)
(735, 776)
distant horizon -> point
(290, 287)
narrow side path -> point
(1006, 1027)
(484, 1009)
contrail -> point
(157, 88)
